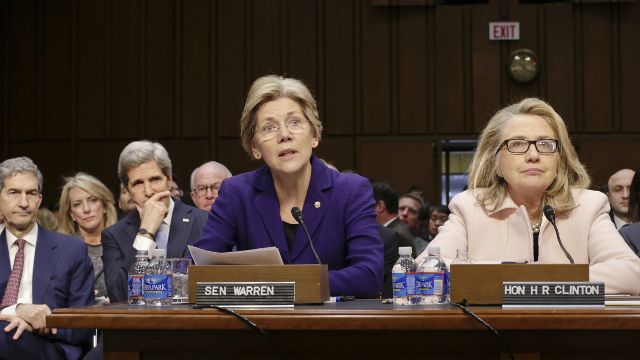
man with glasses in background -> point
(205, 183)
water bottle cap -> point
(158, 252)
(434, 250)
(404, 250)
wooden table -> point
(362, 329)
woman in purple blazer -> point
(281, 126)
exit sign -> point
(504, 30)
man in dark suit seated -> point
(390, 239)
(39, 271)
(144, 168)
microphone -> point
(551, 216)
(297, 214)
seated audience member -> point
(524, 161)
(387, 213)
(390, 240)
(618, 188)
(174, 190)
(125, 203)
(281, 126)
(144, 168)
(410, 207)
(631, 233)
(438, 215)
(205, 183)
(87, 208)
(47, 219)
(40, 271)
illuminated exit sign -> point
(504, 30)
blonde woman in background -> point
(86, 208)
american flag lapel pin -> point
(185, 220)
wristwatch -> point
(145, 232)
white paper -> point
(262, 256)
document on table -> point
(262, 256)
(621, 300)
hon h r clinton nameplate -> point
(552, 294)
(245, 294)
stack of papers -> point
(262, 256)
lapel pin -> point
(185, 220)
(317, 204)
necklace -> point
(535, 227)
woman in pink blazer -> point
(523, 162)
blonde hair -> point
(273, 87)
(95, 188)
(483, 170)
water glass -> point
(180, 267)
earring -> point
(257, 155)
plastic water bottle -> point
(432, 279)
(136, 278)
(158, 280)
(403, 277)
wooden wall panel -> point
(339, 151)
(195, 57)
(486, 63)
(596, 56)
(400, 158)
(390, 81)
(606, 155)
(233, 84)
(629, 69)
(449, 79)
(91, 67)
(558, 66)
(412, 89)
(377, 98)
(99, 159)
(339, 71)
(125, 90)
(161, 47)
(268, 29)
(23, 72)
(56, 71)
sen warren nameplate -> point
(552, 294)
(246, 293)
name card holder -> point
(244, 294)
(552, 294)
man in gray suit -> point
(144, 168)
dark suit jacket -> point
(390, 240)
(62, 278)
(118, 253)
(338, 211)
(406, 237)
(631, 234)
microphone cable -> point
(462, 305)
(550, 214)
(297, 214)
(251, 324)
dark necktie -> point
(13, 285)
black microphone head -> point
(297, 214)
(549, 213)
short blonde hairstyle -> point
(95, 188)
(273, 87)
(483, 170)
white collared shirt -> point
(25, 293)
(618, 221)
(389, 222)
(144, 243)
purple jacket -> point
(338, 211)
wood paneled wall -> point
(82, 78)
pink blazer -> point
(587, 233)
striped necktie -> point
(10, 296)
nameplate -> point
(552, 294)
(246, 293)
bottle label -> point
(135, 285)
(158, 286)
(404, 284)
(430, 283)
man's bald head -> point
(618, 188)
(205, 182)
